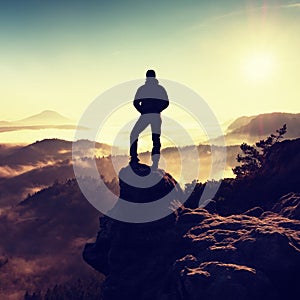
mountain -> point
(49, 230)
(46, 117)
(241, 121)
(199, 253)
(49, 150)
(27, 169)
(245, 242)
(266, 124)
(253, 128)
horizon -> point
(41, 129)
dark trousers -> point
(154, 120)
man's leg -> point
(156, 131)
(139, 126)
(156, 143)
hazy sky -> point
(242, 57)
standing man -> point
(150, 100)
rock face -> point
(195, 254)
(148, 194)
(289, 206)
(148, 185)
(239, 256)
(135, 257)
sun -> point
(259, 67)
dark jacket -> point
(151, 97)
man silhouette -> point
(150, 100)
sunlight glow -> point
(259, 67)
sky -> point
(241, 57)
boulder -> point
(135, 256)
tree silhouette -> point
(254, 157)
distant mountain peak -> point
(49, 112)
(49, 117)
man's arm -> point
(137, 104)
(165, 102)
(137, 101)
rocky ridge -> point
(196, 253)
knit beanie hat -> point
(150, 73)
